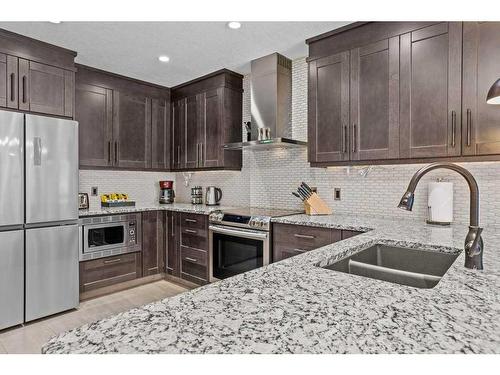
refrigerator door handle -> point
(37, 147)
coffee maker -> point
(167, 194)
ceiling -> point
(194, 48)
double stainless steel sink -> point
(406, 266)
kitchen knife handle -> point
(453, 127)
(37, 149)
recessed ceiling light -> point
(164, 58)
(234, 25)
(55, 21)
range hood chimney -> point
(271, 104)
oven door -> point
(236, 250)
(107, 236)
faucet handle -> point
(472, 244)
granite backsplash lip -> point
(295, 306)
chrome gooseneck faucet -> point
(473, 242)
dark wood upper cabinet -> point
(160, 134)
(430, 69)
(328, 108)
(374, 104)
(132, 130)
(210, 109)
(94, 113)
(123, 123)
(36, 76)
(481, 68)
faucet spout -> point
(473, 242)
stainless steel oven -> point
(105, 236)
(234, 250)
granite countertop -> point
(180, 207)
(294, 306)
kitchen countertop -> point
(294, 306)
(180, 207)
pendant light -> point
(494, 93)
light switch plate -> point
(336, 194)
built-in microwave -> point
(105, 236)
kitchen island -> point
(296, 306)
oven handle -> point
(239, 232)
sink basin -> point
(412, 267)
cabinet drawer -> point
(195, 223)
(194, 238)
(103, 272)
(302, 237)
(281, 252)
(194, 264)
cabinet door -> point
(3, 80)
(45, 89)
(94, 113)
(153, 245)
(160, 139)
(132, 130)
(481, 68)
(192, 133)
(211, 147)
(178, 135)
(329, 108)
(173, 235)
(430, 76)
(375, 100)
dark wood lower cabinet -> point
(99, 273)
(153, 242)
(193, 247)
(172, 242)
(290, 240)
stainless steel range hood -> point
(271, 104)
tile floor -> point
(31, 337)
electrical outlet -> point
(336, 194)
(94, 191)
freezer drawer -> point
(11, 168)
(11, 278)
(51, 169)
(51, 270)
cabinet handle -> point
(197, 155)
(12, 87)
(353, 138)
(179, 156)
(304, 236)
(109, 152)
(190, 231)
(190, 220)
(112, 261)
(300, 250)
(116, 152)
(345, 140)
(453, 127)
(172, 225)
(469, 126)
(201, 154)
(191, 260)
(24, 89)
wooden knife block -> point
(314, 205)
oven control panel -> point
(260, 222)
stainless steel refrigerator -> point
(38, 217)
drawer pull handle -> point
(469, 125)
(191, 259)
(12, 87)
(300, 250)
(109, 261)
(190, 221)
(190, 231)
(304, 236)
(453, 128)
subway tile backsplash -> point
(268, 177)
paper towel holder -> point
(429, 209)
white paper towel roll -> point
(440, 202)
